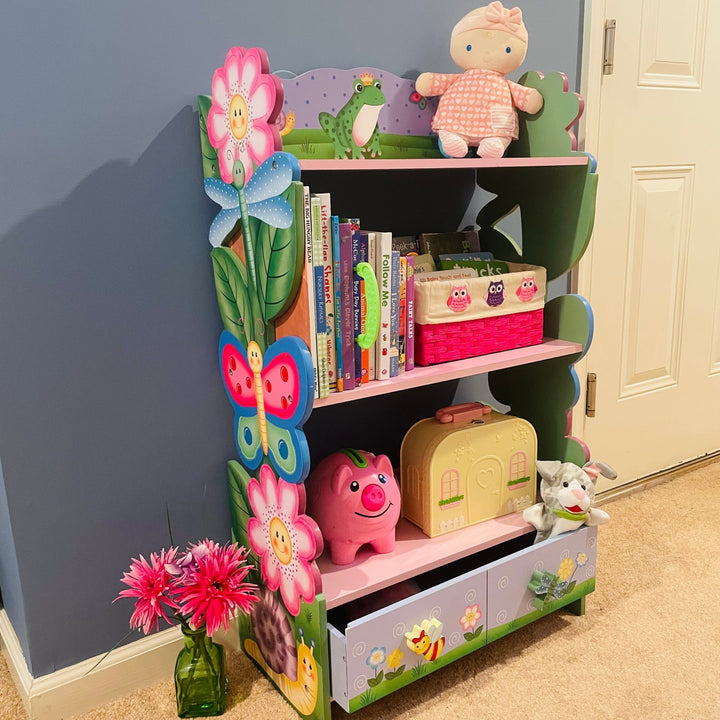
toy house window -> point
(449, 487)
(518, 466)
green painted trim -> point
(415, 673)
(518, 481)
(448, 501)
(580, 591)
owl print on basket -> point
(495, 295)
(272, 396)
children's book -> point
(394, 351)
(328, 287)
(383, 262)
(402, 314)
(460, 273)
(484, 266)
(335, 224)
(372, 253)
(425, 263)
(346, 306)
(406, 244)
(319, 292)
(299, 320)
(360, 254)
(410, 314)
(437, 244)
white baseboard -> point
(75, 690)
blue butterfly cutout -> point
(262, 192)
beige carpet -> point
(648, 647)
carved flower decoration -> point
(470, 619)
(286, 540)
(246, 99)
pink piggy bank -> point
(354, 498)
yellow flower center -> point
(238, 116)
(280, 541)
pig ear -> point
(339, 478)
(383, 465)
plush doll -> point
(567, 492)
(477, 107)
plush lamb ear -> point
(339, 478)
(548, 468)
(593, 469)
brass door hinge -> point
(609, 47)
(591, 394)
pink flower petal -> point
(252, 68)
(221, 94)
(304, 545)
(271, 571)
(234, 63)
(258, 501)
(218, 126)
(227, 155)
(290, 596)
(262, 98)
(287, 499)
(267, 480)
(258, 536)
(305, 583)
(261, 142)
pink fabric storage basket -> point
(456, 340)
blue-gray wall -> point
(111, 406)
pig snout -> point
(373, 497)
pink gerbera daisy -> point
(212, 590)
(246, 99)
(150, 582)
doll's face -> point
(487, 50)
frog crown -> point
(367, 78)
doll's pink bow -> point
(510, 19)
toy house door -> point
(653, 268)
(484, 488)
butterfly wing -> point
(223, 225)
(288, 452)
(239, 382)
(226, 196)
(288, 391)
(272, 178)
(275, 211)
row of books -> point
(359, 325)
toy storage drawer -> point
(371, 658)
(560, 571)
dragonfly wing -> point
(275, 211)
(223, 225)
(273, 177)
(226, 196)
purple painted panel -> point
(328, 89)
(459, 604)
(571, 556)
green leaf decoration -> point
(570, 587)
(395, 673)
(209, 154)
(279, 261)
(232, 293)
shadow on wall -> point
(111, 403)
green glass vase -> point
(200, 677)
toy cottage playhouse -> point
(308, 632)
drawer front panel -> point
(377, 657)
(561, 571)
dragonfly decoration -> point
(262, 197)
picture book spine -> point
(410, 313)
(310, 280)
(319, 288)
(346, 302)
(383, 261)
(402, 312)
(394, 312)
(360, 254)
(372, 252)
(337, 301)
(329, 288)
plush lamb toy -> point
(477, 107)
(568, 492)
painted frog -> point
(354, 129)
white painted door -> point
(651, 274)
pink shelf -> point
(414, 553)
(441, 163)
(549, 348)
